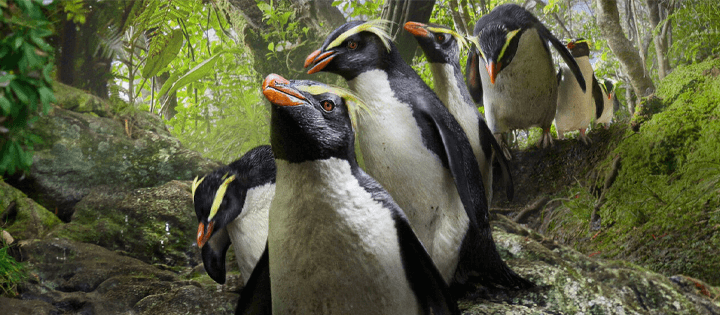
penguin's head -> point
(608, 87)
(352, 49)
(579, 47)
(439, 43)
(497, 44)
(219, 198)
(309, 121)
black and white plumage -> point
(609, 100)
(441, 46)
(231, 205)
(338, 243)
(576, 107)
(519, 88)
(413, 146)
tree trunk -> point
(608, 19)
(401, 11)
(660, 39)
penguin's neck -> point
(450, 86)
(248, 232)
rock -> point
(81, 151)
(22, 217)
(77, 278)
(572, 283)
(156, 225)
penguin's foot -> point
(584, 138)
(546, 139)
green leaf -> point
(21, 91)
(5, 105)
(162, 51)
(271, 46)
(198, 72)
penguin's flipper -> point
(213, 255)
(559, 75)
(597, 95)
(564, 53)
(486, 136)
(425, 280)
(255, 297)
(473, 81)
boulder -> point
(21, 217)
(71, 277)
(155, 225)
(93, 147)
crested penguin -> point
(231, 205)
(441, 46)
(576, 107)
(519, 88)
(414, 147)
(338, 243)
(609, 99)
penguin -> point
(576, 108)
(231, 205)
(413, 146)
(338, 243)
(519, 88)
(441, 46)
(609, 99)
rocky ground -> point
(104, 224)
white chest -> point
(575, 108)
(249, 231)
(525, 91)
(607, 113)
(332, 249)
(394, 154)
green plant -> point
(11, 273)
(25, 83)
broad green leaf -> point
(162, 51)
(271, 46)
(196, 73)
(21, 91)
(5, 105)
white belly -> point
(575, 108)
(466, 115)
(525, 92)
(607, 113)
(332, 249)
(249, 231)
(395, 156)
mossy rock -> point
(22, 217)
(81, 151)
(70, 98)
(156, 225)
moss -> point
(663, 211)
(28, 220)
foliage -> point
(25, 83)
(11, 273)
(696, 30)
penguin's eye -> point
(440, 37)
(352, 44)
(327, 105)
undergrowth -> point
(11, 273)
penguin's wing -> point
(213, 255)
(255, 297)
(486, 136)
(564, 53)
(456, 151)
(559, 75)
(597, 95)
(472, 77)
(425, 280)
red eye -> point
(440, 37)
(352, 44)
(327, 105)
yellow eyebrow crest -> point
(509, 37)
(476, 42)
(219, 195)
(195, 185)
(376, 27)
(459, 38)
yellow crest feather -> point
(195, 185)
(377, 27)
(353, 102)
(219, 195)
(459, 38)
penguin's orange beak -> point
(416, 29)
(202, 235)
(571, 45)
(319, 60)
(493, 69)
(277, 91)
